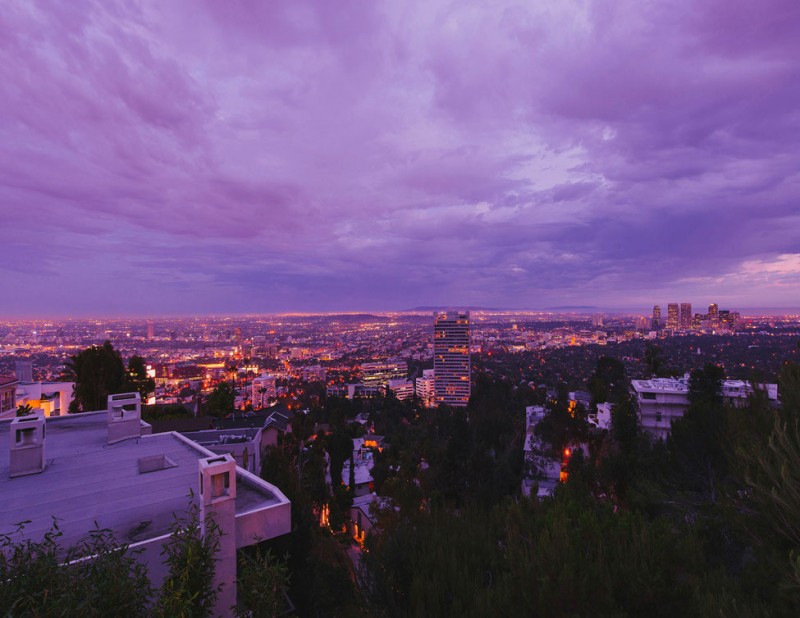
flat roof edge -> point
(246, 476)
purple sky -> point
(193, 157)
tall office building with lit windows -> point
(713, 314)
(655, 322)
(451, 358)
(686, 316)
(672, 316)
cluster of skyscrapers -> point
(680, 317)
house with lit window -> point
(8, 396)
(53, 398)
(541, 470)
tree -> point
(789, 387)
(137, 379)
(261, 584)
(221, 400)
(98, 576)
(97, 372)
(340, 447)
(697, 442)
(190, 555)
(608, 382)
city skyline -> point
(196, 159)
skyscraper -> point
(713, 314)
(655, 323)
(686, 316)
(672, 316)
(451, 359)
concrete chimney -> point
(218, 504)
(124, 416)
(26, 448)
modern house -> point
(105, 469)
(8, 396)
(662, 400)
(541, 469)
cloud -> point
(249, 156)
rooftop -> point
(135, 487)
(730, 388)
(222, 436)
(8, 380)
(673, 385)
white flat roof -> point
(730, 388)
(665, 385)
(87, 480)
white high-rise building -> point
(263, 390)
(424, 387)
(451, 358)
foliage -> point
(162, 412)
(261, 584)
(566, 557)
(321, 583)
(608, 382)
(653, 359)
(221, 400)
(340, 448)
(97, 373)
(696, 441)
(190, 556)
(24, 410)
(42, 578)
(137, 380)
(768, 461)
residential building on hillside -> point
(541, 470)
(51, 397)
(8, 396)
(662, 400)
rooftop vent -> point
(217, 479)
(124, 417)
(154, 463)
(26, 448)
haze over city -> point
(203, 157)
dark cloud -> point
(254, 156)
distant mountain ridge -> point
(456, 308)
(462, 308)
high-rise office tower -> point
(655, 323)
(151, 330)
(672, 316)
(451, 359)
(686, 316)
(713, 314)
